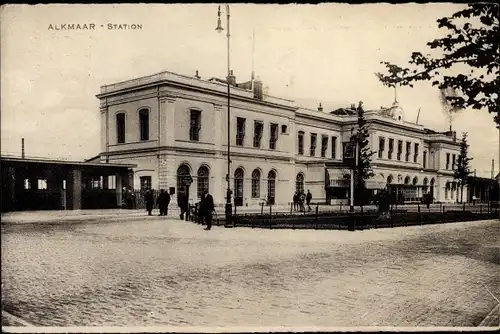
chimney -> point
(353, 106)
(320, 108)
(258, 92)
(231, 78)
(197, 75)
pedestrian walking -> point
(207, 208)
(295, 201)
(150, 200)
(162, 202)
(182, 202)
(384, 204)
(428, 200)
(308, 199)
(302, 199)
(201, 209)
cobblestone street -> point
(154, 272)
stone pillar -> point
(167, 121)
(119, 186)
(74, 189)
(55, 186)
(105, 182)
(166, 166)
(11, 188)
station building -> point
(174, 128)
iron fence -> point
(366, 217)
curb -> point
(492, 319)
(14, 321)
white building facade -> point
(171, 126)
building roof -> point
(64, 162)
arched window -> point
(271, 186)
(299, 182)
(389, 179)
(203, 180)
(415, 181)
(446, 190)
(120, 128)
(256, 183)
(426, 185)
(183, 179)
(407, 180)
(144, 123)
(238, 186)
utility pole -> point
(228, 208)
(492, 169)
(22, 148)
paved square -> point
(153, 272)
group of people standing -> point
(162, 201)
(299, 198)
(206, 205)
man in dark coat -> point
(162, 202)
(207, 208)
(295, 201)
(182, 202)
(150, 201)
(201, 209)
(308, 199)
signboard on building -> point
(187, 180)
(349, 153)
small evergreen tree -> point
(363, 171)
(462, 171)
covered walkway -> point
(37, 184)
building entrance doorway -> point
(238, 187)
(184, 180)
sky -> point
(324, 53)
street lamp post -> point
(229, 209)
(354, 167)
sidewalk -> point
(54, 216)
(30, 217)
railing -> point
(366, 217)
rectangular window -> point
(400, 149)
(240, 131)
(144, 123)
(195, 125)
(424, 159)
(324, 145)
(453, 162)
(273, 136)
(391, 148)
(300, 140)
(145, 182)
(334, 147)
(312, 147)
(120, 128)
(447, 160)
(415, 153)
(381, 147)
(258, 128)
(408, 151)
